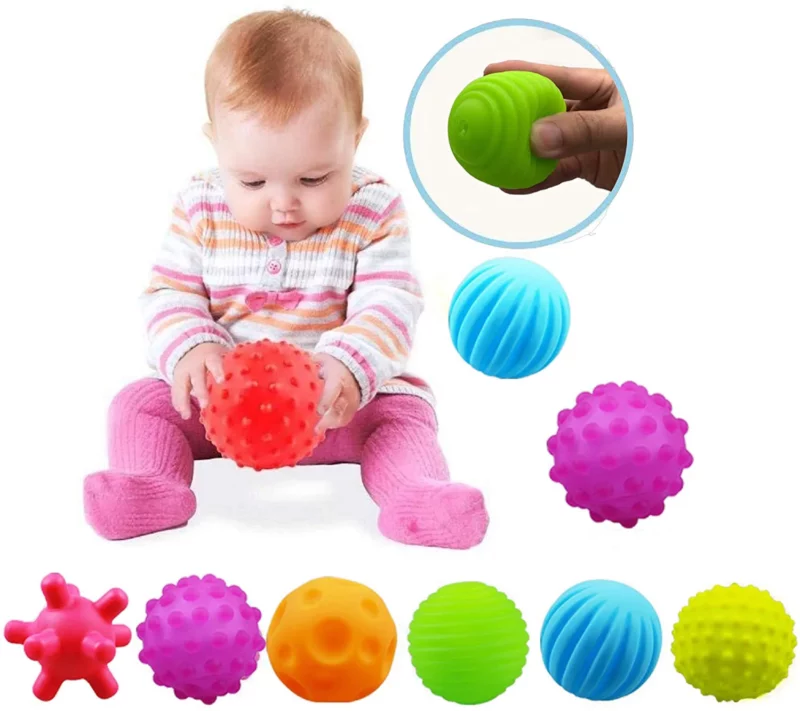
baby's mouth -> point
(289, 224)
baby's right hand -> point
(190, 376)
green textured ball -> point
(733, 643)
(489, 127)
(468, 643)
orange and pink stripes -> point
(390, 316)
(303, 297)
(206, 207)
(184, 312)
(373, 215)
(211, 329)
(348, 290)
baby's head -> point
(284, 97)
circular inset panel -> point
(476, 123)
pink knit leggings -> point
(152, 452)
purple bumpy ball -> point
(619, 453)
(201, 638)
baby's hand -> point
(340, 396)
(190, 376)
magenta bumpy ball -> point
(620, 452)
(201, 638)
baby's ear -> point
(362, 130)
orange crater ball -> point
(332, 640)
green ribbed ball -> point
(468, 643)
(489, 127)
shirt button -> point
(274, 266)
(275, 241)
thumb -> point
(330, 391)
(575, 132)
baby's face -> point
(288, 180)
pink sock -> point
(151, 462)
(405, 473)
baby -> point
(287, 239)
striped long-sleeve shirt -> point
(348, 290)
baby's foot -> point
(120, 506)
(440, 514)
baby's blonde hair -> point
(277, 63)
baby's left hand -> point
(341, 394)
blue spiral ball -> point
(601, 640)
(509, 318)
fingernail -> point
(548, 139)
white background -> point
(479, 207)
(689, 286)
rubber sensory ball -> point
(509, 318)
(468, 643)
(264, 414)
(72, 638)
(489, 127)
(201, 638)
(601, 640)
(332, 640)
(734, 643)
(619, 453)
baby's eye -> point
(312, 182)
(253, 185)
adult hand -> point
(590, 139)
(341, 394)
(190, 376)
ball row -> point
(334, 640)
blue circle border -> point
(514, 22)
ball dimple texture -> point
(332, 640)
(734, 643)
(619, 453)
(264, 414)
(601, 640)
(489, 127)
(201, 638)
(468, 643)
(509, 318)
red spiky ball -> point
(264, 414)
(73, 638)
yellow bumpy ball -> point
(734, 643)
(332, 640)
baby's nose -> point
(282, 201)
(282, 206)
